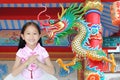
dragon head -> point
(55, 28)
(64, 24)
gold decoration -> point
(93, 4)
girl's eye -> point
(28, 33)
(35, 33)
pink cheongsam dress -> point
(32, 72)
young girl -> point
(32, 60)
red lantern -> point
(115, 13)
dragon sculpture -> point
(71, 21)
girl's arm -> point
(17, 68)
(48, 66)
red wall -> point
(47, 1)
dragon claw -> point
(113, 63)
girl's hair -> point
(22, 42)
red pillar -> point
(93, 18)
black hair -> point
(22, 42)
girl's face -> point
(31, 36)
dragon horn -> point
(63, 12)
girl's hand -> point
(36, 62)
(31, 59)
